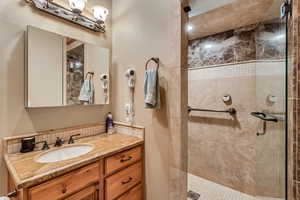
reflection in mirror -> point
(66, 72)
(74, 71)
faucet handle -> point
(59, 142)
(45, 145)
(71, 140)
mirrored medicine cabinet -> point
(63, 71)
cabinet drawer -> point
(133, 194)
(89, 193)
(122, 159)
(67, 184)
(120, 182)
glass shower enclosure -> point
(237, 77)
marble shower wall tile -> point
(270, 41)
(221, 147)
(265, 41)
(225, 149)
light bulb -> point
(279, 37)
(100, 13)
(190, 27)
(208, 46)
(77, 6)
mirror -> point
(63, 71)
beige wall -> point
(143, 29)
(15, 15)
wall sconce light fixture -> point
(100, 13)
(77, 6)
(74, 13)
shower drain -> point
(193, 195)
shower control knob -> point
(272, 99)
(226, 98)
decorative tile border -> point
(293, 104)
(238, 70)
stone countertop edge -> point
(38, 179)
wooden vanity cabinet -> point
(117, 177)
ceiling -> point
(203, 6)
(209, 17)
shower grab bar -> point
(264, 117)
(231, 111)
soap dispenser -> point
(110, 126)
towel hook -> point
(156, 60)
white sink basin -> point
(64, 153)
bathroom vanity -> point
(113, 169)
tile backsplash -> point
(137, 131)
(13, 144)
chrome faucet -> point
(45, 145)
(59, 142)
(71, 140)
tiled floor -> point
(211, 191)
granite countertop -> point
(26, 172)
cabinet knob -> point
(126, 159)
(64, 188)
(127, 181)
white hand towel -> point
(151, 89)
(87, 92)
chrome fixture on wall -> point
(231, 111)
(74, 13)
(265, 118)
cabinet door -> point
(44, 68)
(89, 193)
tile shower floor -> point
(212, 191)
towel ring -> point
(89, 73)
(156, 60)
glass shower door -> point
(271, 102)
(237, 60)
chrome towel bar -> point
(231, 111)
